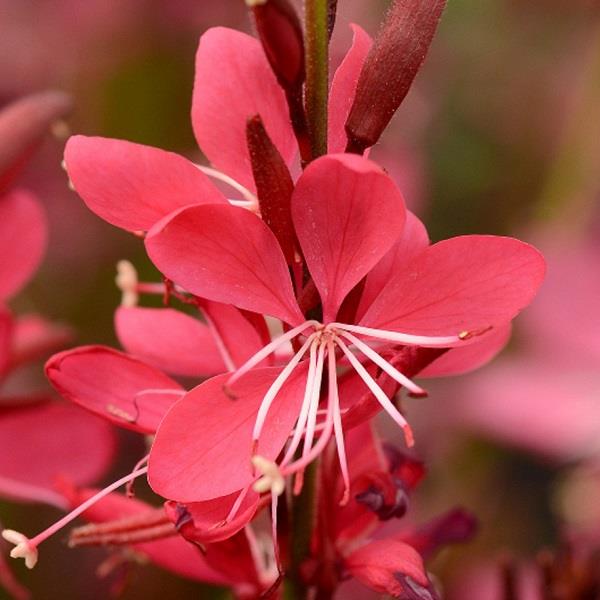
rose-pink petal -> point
(168, 339)
(412, 241)
(22, 240)
(343, 87)
(226, 254)
(131, 185)
(463, 359)
(48, 440)
(239, 336)
(113, 385)
(348, 213)
(205, 522)
(233, 83)
(378, 564)
(466, 283)
(203, 447)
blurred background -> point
(500, 134)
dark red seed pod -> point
(280, 33)
(390, 67)
(274, 185)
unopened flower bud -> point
(274, 185)
(390, 67)
(282, 39)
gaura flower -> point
(380, 284)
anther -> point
(127, 282)
(23, 547)
(272, 480)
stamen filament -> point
(403, 338)
(300, 428)
(379, 394)
(268, 350)
(246, 193)
(38, 539)
(384, 365)
(275, 388)
(334, 400)
(27, 548)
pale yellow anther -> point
(23, 548)
(127, 282)
(60, 129)
(251, 3)
(272, 480)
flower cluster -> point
(317, 296)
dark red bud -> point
(455, 526)
(274, 185)
(280, 33)
(390, 67)
(23, 124)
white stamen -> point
(300, 429)
(384, 364)
(268, 350)
(314, 402)
(379, 394)
(246, 193)
(334, 399)
(272, 480)
(23, 548)
(127, 282)
(276, 386)
(425, 341)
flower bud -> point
(390, 67)
(274, 185)
(280, 33)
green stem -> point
(303, 515)
(317, 73)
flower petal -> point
(470, 356)
(133, 186)
(241, 339)
(343, 88)
(226, 254)
(466, 283)
(205, 522)
(383, 564)
(233, 83)
(168, 339)
(39, 442)
(348, 213)
(36, 337)
(203, 447)
(412, 241)
(113, 385)
(22, 240)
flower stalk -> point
(317, 73)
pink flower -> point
(351, 225)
